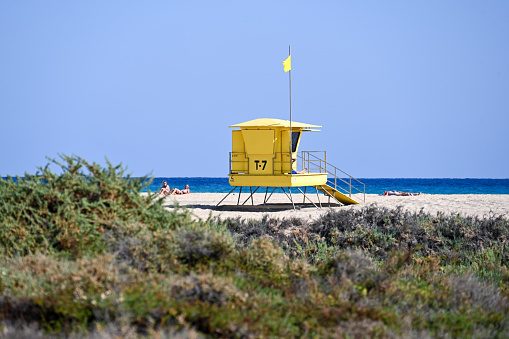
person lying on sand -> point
(399, 193)
(176, 191)
(165, 189)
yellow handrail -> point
(313, 162)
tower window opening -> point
(295, 140)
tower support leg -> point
(318, 196)
(305, 197)
(331, 196)
(251, 195)
(238, 200)
(289, 197)
(228, 195)
(265, 201)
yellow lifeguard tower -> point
(265, 153)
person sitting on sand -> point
(186, 190)
(176, 191)
(297, 172)
(399, 193)
(165, 189)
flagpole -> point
(291, 138)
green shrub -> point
(84, 254)
(68, 213)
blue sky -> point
(403, 89)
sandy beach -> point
(202, 205)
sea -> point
(373, 186)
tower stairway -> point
(340, 185)
(332, 192)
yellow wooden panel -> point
(237, 142)
(296, 180)
(238, 158)
(285, 141)
(286, 164)
(258, 141)
(261, 164)
(282, 163)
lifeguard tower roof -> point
(277, 123)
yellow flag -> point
(287, 64)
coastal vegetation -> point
(84, 255)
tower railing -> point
(239, 163)
(339, 179)
(282, 163)
(312, 162)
